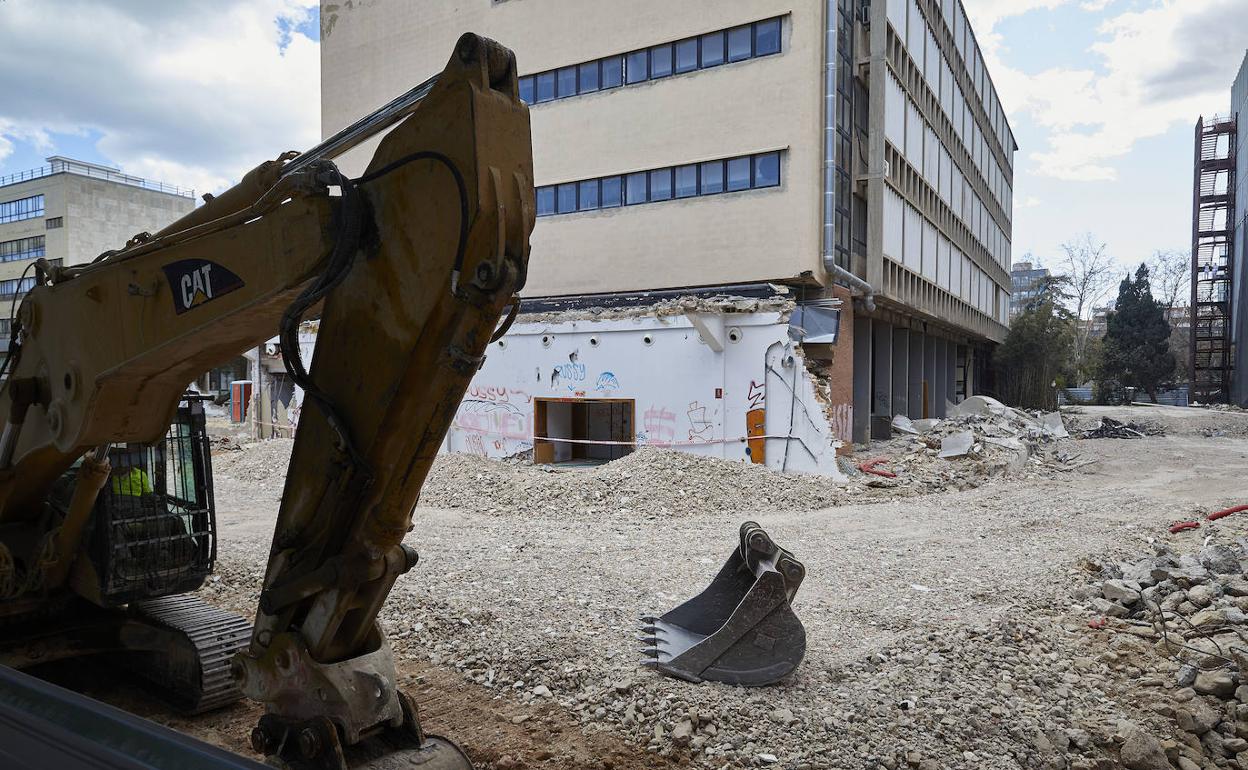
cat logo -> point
(196, 281)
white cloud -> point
(1158, 67)
(194, 92)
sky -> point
(1102, 96)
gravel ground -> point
(942, 628)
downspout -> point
(829, 162)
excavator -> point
(107, 516)
(106, 511)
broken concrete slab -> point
(903, 424)
(957, 445)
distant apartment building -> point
(70, 212)
(1026, 283)
(845, 166)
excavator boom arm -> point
(411, 266)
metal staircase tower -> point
(1213, 207)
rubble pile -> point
(979, 439)
(648, 482)
(258, 462)
(1108, 427)
(1180, 621)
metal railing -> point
(95, 172)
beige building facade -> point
(71, 211)
(704, 145)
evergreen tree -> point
(1137, 338)
(1038, 351)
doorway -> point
(582, 431)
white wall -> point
(673, 380)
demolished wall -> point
(719, 378)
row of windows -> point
(56, 222)
(912, 28)
(746, 172)
(22, 248)
(914, 242)
(22, 208)
(16, 286)
(748, 41)
(936, 71)
(910, 134)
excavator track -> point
(197, 676)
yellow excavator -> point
(106, 513)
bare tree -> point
(1170, 273)
(1090, 272)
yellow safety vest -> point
(134, 483)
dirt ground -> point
(940, 627)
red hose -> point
(869, 467)
(1219, 514)
(1182, 525)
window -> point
(661, 61)
(612, 193)
(767, 37)
(636, 188)
(588, 195)
(686, 181)
(566, 197)
(687, 55)
(526, 90)
(613, 72)
(712, 177)
(22, 248)
(661, 184)
(637, 66)
(738, 174)
(767, 169)
(740, 43)
(712, 50)
(545, 201)
(566, 78)
(746, 172)
(588, 74)
(56, 222)
(545, 87)
(22, 208)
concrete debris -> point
(1185, 610)
(1107, 427)
(668, 307)
(959, 444)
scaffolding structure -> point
(1213, 229)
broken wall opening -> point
(568, 430)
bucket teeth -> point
(652, 652)
(648, 639)
(650, 629)
(649, 619)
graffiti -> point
(571, 372)
(475, 445)
(659, 425)
(757, 395)
(498, 394)
(607, 381)
(700, 428)
(493, 418)
(841, 418)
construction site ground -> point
(943, 629)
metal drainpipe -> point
(829, 162)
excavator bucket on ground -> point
(741, 629)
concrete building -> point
(795, 153)
(69, 212)
(1026, 283)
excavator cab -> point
(154, 525)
